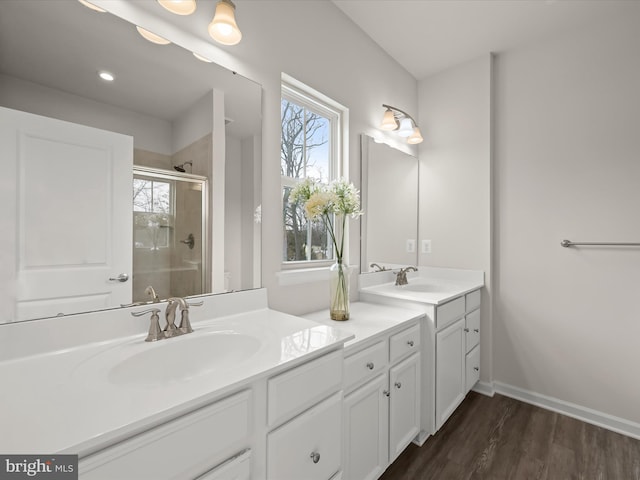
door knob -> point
(123, 277)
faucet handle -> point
(155, 332)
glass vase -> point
(339, 291)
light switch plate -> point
(426, 246)
(411, 245)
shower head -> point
(180, 168)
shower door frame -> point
(162, 174)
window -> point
(310, 148)
(152, 213)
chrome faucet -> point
(378, 268)
(170, 329)
(401, 276)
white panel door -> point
(366, 430)
(404, 408)
(450, 370)
(70, 189)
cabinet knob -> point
(398, 385)
(386, 393)
(477, 330)
(410, 343)
(466, 330)
(477, 369)
(370, 365)
(315, 457)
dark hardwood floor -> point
(502, 438)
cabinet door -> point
(404, 404)
(473, 368)
(450, 370)
(366, 430)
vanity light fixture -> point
(92, 6)
(179, 7)
(400, 121)
(223, 28)
(152, 37)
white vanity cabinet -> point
(382, 402)
(304, 413)
(457, 353)
(186, 447)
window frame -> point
(316, 102)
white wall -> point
(455, 178)
(566, 323)
(150, 133)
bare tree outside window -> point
(305, 152)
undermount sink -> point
(182, 358)
(425, 287)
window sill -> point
(306, 275)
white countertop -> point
(367, 321)
(63, 402)
(429, 285)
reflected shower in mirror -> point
(390, 198)
(68, 192)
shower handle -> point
(190, 241)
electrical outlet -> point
(411, 245)
(426, 246)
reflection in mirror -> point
(390, 198)
(70, 142)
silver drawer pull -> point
(315, 457)
(477, 330)
(466, 330)
(477, 369)
(410, 343)
(386, 393)
(370, 365)
(398, 385)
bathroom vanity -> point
(251, 393)
(450, 333)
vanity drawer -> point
(404, 343)
(473, 300)
(296, 390)
(181, 448)
(309, 447)
(449, 312)
(472, 329)
(365, 364)
(473, 367)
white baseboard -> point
(594, 417)
(485, 388)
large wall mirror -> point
(150, 180)
(390, 200)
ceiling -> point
(428, 36)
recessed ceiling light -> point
(179, 7)
(91, 6)
(201, 58)
(106, 76)
(152, 37)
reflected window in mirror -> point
(152, 213)
(310, 148)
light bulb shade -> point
(92, 6)
(179, 7)
(389, 121)
(415, 137)
(223, 28)
(406, 127)
(152, 37)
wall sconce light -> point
(179, 7)
(223, 28)
(397, 120)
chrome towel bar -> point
(569, 243)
